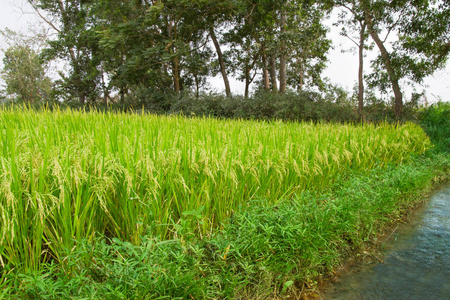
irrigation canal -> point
(416, 263)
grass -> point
(87, 195)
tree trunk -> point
(247, 82)
(104, 88)
(265, 71)
(176, 74)
(221, 62)
(81, 93)
(74, 58)
(273, 73)
(301, 75)
(387, 63)
(175, 64)
(197, 86)
(361, 69)
(122, 95)
(283, 54)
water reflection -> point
(416, 264)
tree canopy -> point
(24, 71)
(171, 46)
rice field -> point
(67, 175)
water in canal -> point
(416, 263)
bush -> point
(435, 120)
(303, 106)
(290, 106)
(145, 98)
(207, 105)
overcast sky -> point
(342, 67)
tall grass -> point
(67, 175)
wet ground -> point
(416, 263)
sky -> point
(342, 67)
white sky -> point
(342, 67)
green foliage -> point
(307, 45)
(435, 120)
(69, 175)
(24, 71)
(164, 45)
(154, 101)
(302, 106)
(421, 47)
(158, 45)
(76, 43)
(265, 251)
(334, 106)
(426, 33)
(423, 30)
(24, 75)
(257, 36)
(134, 48)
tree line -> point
(173, 46)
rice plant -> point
(67, 175)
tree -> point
(424, 37)
(306, 45)
(283, 50)
(76, 43)
(285, 40)
(251, 37)
(377, 14)
(24, 71)
(243, 57)
(130, 33)
(221, 61)
(197, 64)
(355, 24)
(422, 46)
(160, 42)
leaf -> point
(286, 285)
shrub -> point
(435, 121)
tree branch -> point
(351, 39)
(43, 18)
(390, 28)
